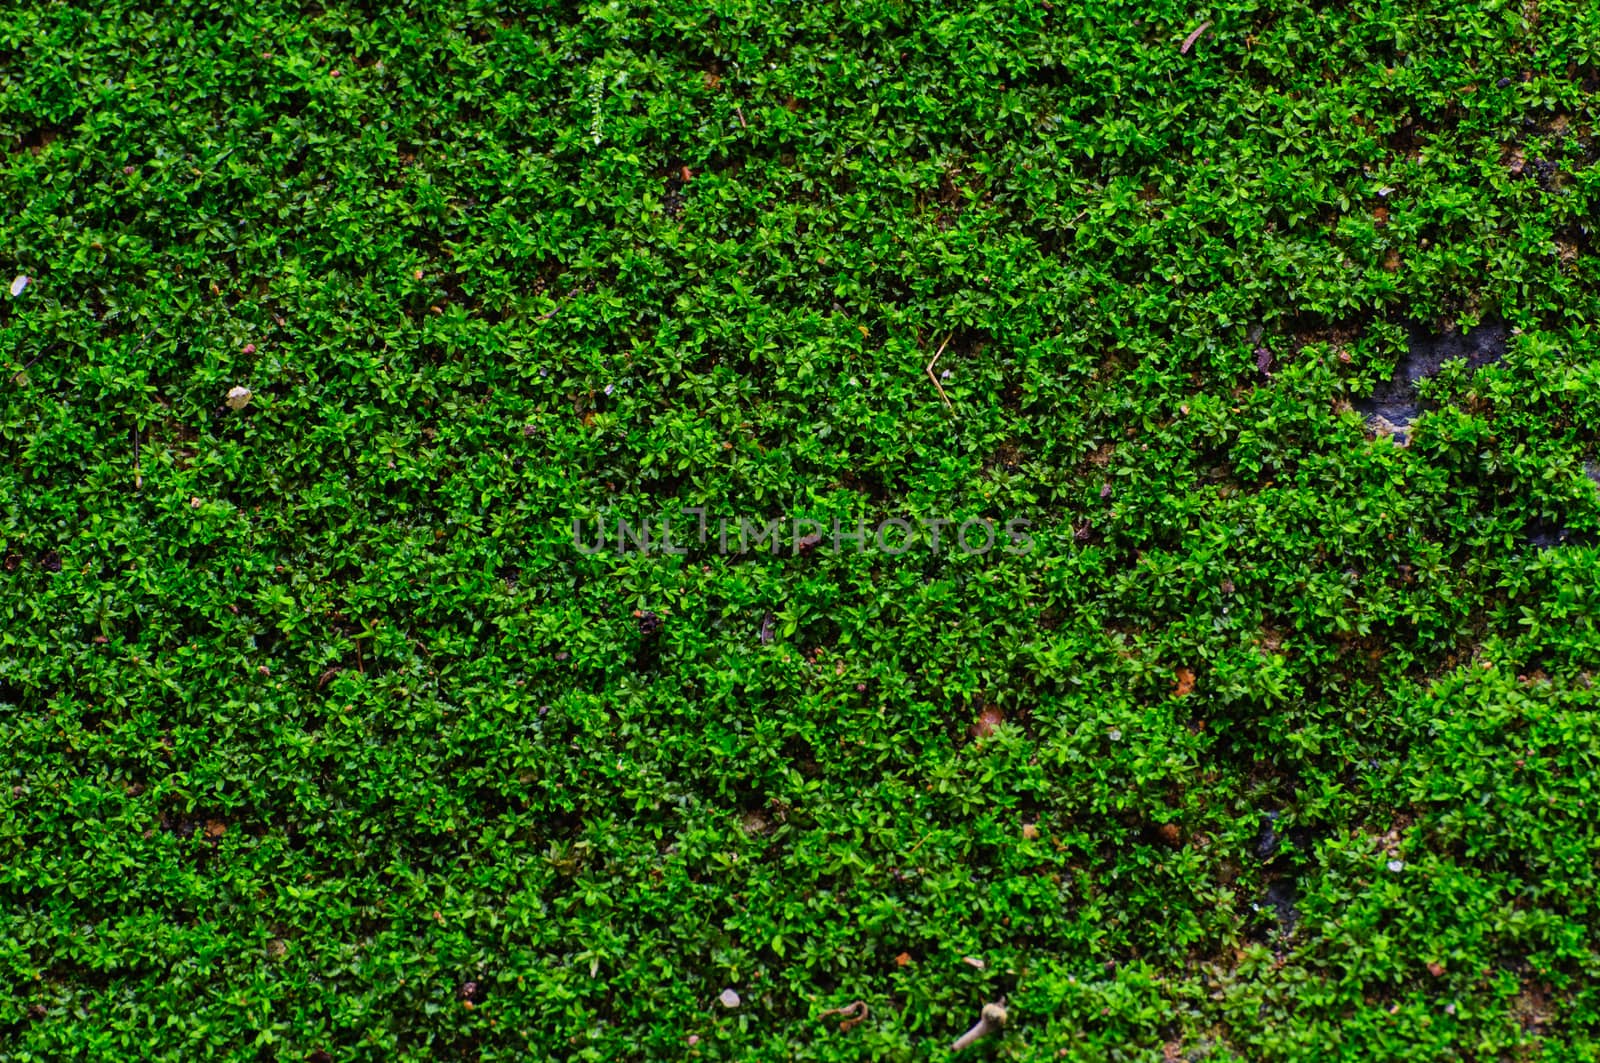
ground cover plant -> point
(322, 736)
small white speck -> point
(610, 388)
(1116, 734)
(1397, 866)
(17, 285)
(1385, 190)
(945, 375)
(729, 998)
(238, 398)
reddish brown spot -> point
(1185, 683)
(988, 721)
(1170, 834)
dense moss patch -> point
(321, 738)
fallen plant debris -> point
(854, 1014)
(937, 385)
(1188, 42)
(990, 1022)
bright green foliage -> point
(323, 730)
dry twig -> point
(1188, 42)
(993, 1018)
(935, 379)
(855, 1014)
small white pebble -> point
(17, 285)
(238, 398)
(1397, 866)
(729, 998)
(1116, 734)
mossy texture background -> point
(319, 740)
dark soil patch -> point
(1283, 897)
(1396, 400)
(1276, 913)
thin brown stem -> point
(935, 379)
(992, 1019)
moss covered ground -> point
(1267, 327)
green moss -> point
(316, 727)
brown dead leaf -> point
(903, 960)
(988, 721)
(1030, 831)
(1391, 261)
(1185, 683)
